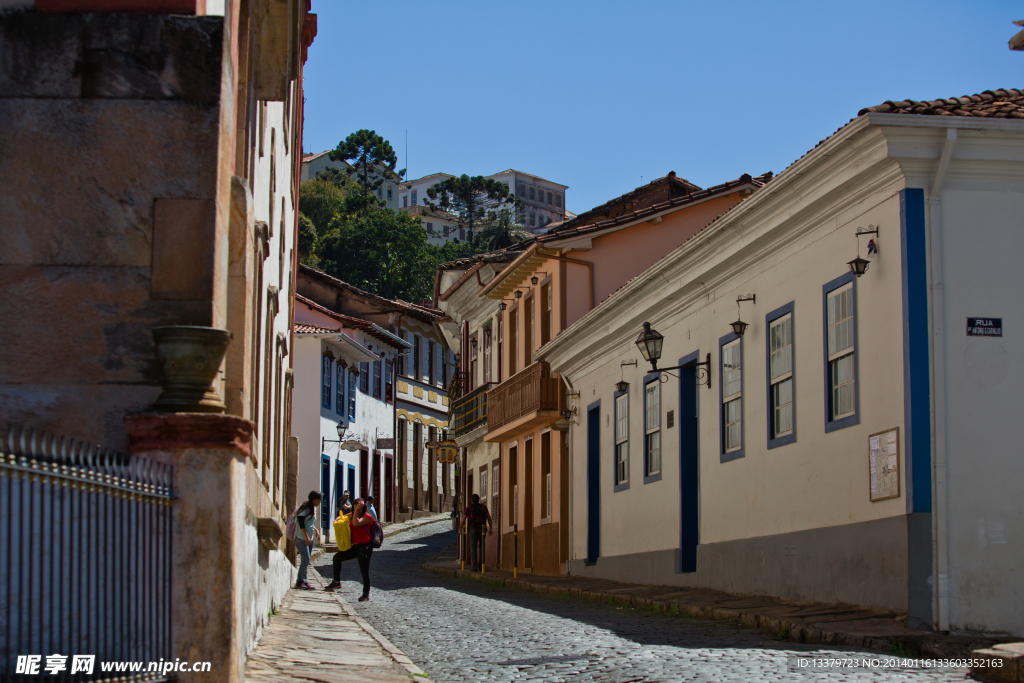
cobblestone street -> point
(468, 631)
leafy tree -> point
(382, 252)
(471, 199)
(307, 241)
(501, 230)
(321, 200)
(366, 152)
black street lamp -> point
(341, 437)
(650, 343)
(739, 327)
(859, 265)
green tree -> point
(308, 241)
(382, 252)
(321, 200)
(367, 153)
(471, 199)
(501, 230)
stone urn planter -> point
(190, 357)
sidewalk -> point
(318, 637)
(818, 624)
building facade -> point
(851, 444)
(175, 209)
(511, 304)
(420, 375)
(344, 409)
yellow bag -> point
(343, 532)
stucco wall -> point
(983, 239)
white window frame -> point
(781, 371)
(841, 350)
(621, 440)
(652, 429)
(731, 396)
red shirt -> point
(360, 534)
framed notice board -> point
(884, 464)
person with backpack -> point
(477, 517)
(306, 535)
(366, 535)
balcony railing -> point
(470, 411)
(528, 391)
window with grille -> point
(352, 397)
(780, 370)
(325, 375)
(621, 440)
(841, 340)
(487, 354)
(339, 399)
(652, 429)
(732, 396)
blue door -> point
(689, 481)
(339, 484)
(325, 492)
(352, 481)
(593, 482)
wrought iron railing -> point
(529, 390)
(85, 569)
(470, 411)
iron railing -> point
(86, 564)
(529, 390)
(470, 411)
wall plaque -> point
(984, 327)
(884, 464)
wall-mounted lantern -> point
(536, 279)
(739, 327)
(859, 265)
(650, 343)
(519, 294)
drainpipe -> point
(569, 436)
(940, 524)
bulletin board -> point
(884, 464)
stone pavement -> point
(472, 631)
(318, 637)
(815, 624)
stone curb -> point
(397, 655)
(798, 632)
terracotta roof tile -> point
(993, 104)
(305, 328)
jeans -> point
(303, 550)
(362, 553)
(475, 535)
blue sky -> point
(595, 95)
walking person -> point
(361, 550)
(477, 517)
(306, 535)
(345, 505)
(369, 504)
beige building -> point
(854, 443)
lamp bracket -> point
(870, 230)
(747, 297)
(628, 362)
(702, 371)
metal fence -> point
(85, 550)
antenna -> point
(406, 153)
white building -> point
(859, 442)
(344, 377)
(543, 200)
(387, 192)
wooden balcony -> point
(525, 400)
(469, 412)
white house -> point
(543, 200)
(387, 192)
(343, 408)
(858, 442)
